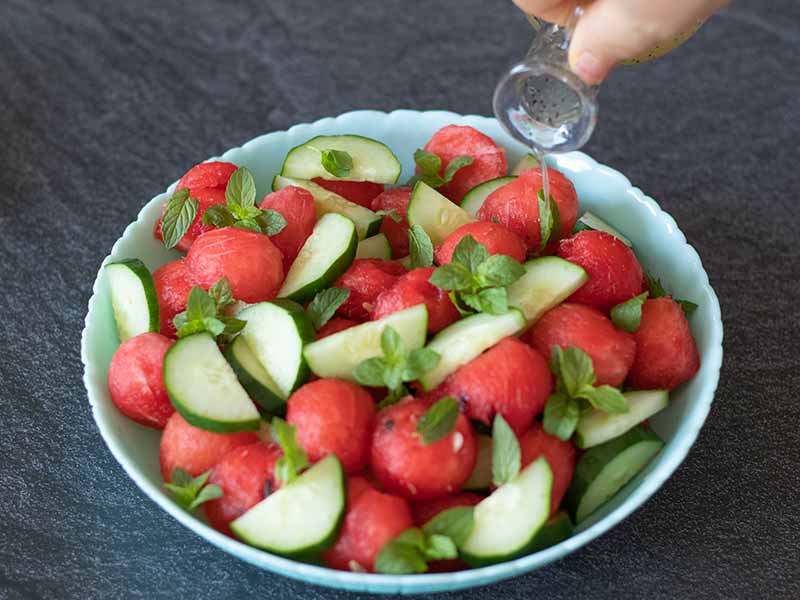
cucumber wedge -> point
(204, 389)
(372, 160)
(556, 530)
(325, 201)
(276, 333)
(473, 199)
(508, 521)
(464, 340)
(133, 298)
(254, 378)
(596, 427)
(434, 213)
(605, 469)
(547, 282)
(375, 247)
(529, 161)
(481, 477)
(301, 518)
(590, 221)
(338, 354)
(326, 254)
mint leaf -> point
(392, 346)
(200, 305)
(209, 492)
(393, 397)
(573, 368)
(190, 492)
(218, 216)
(419, 362)
(469, 253)
(179, 213)
(294, 458)
(561, 415)
(391, 213)
(420, 247)
(241, 189)
(628, 315)
(440, 547)
(428, 162)
(506, 454)
(688, 307)
(325, 304)
(654, 285)
(370, 372)
(249, 224)
(221, 294)
(606, 398)
(499, 270)
(549, 219)
(337, 162)
(456, 523)
(232, 325)
(270, 222)
(455, 165)
(204, 313)
(403, 554)
(493, 301)
(452, 276)
(438, 421)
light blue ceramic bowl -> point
(659, 244)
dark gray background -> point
(102, 104)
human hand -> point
(610, 31)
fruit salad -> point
(387, 377)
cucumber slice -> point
(473, 199)
(203, 387)
(302, 517)
(325, 201)
(133, 298)
(434, 213)
(254, 377)
(556, 530)
(529, 161)
(481, 477)
(276, 333)
(326, 254)
(547, 282)
(464, 340)
(375, 247)
(338, 354)
(590, 221)
(603, 470)
(507, 522)
(372, 160)
(596, 427)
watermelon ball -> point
(335, 325)
(296, 205)
(395, 199)
(172, 289)
(497, 239)
(359, 192)
(404, 465)
(612, 350)
(615, 274)
(372, 519)
(425, 510)
(366, 278)
(666, 353)
(516, 206)
(489, 160)
(193, 449)
(246, 475)
(214, 174)
(136, 380)
(206, 197)
(414, 288)
(511, 379)
(560, 455)
(333, 417)
(250, 261)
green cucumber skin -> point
(148, 284)
(555, 531)
(306, 332)
(308, 291)
(596, 459)
(268, 403)
(374, 228)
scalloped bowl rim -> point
(668, 461)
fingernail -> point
(589, 68)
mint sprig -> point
(420, 247)
(575, 391)
(628, 315)
(657, 291)
(438, 421)
(397, 365)
(179, 213)
(190, 492)
(336, 162)
(549, 220)
(325, 304)
(506, 453)
(429, 165)
(294, 459)
(240, 209)
(204, 312)
(477, 281)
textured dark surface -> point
(101, 107)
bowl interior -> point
(658, 243)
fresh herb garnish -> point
(190, 492)
(396, 366)
(429, 165)
(391, 213)
(549, 220)
(336, 162)
(325, 304)
(506, 454)
(179, 213)
(420, 247)
(628, 315)
(294, 458)
(240, 208)
(575, 391)
(477, 280)
(657, 291)
(438, 421)
(204, 312)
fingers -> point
(554, 11)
